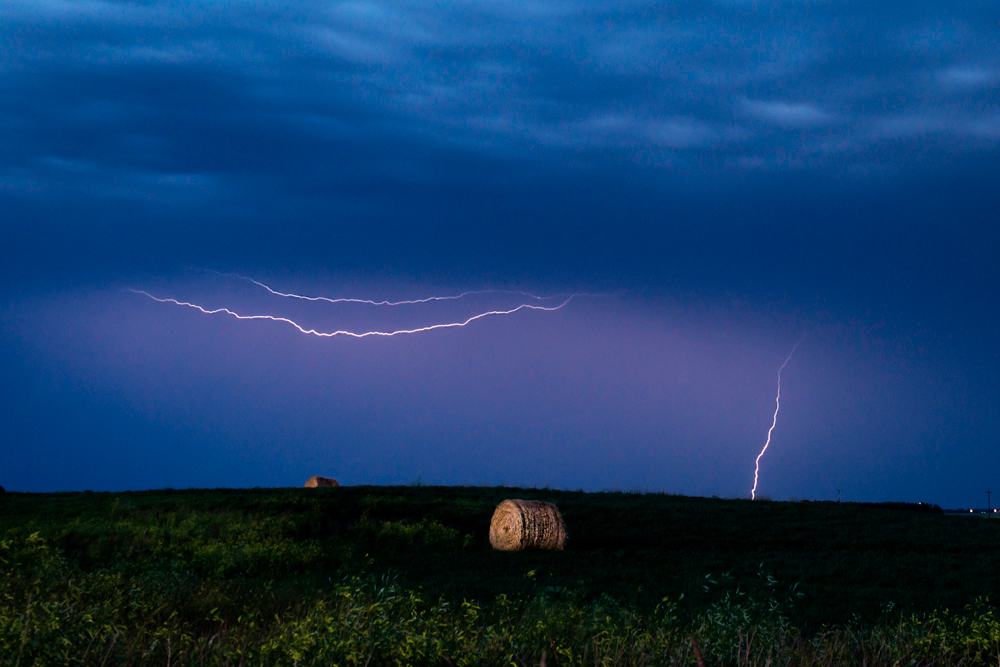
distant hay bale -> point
(316, 481)
(527, 524)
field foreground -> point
(405, 575)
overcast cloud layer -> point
(864, 89)
(843, 149)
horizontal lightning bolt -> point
(330, 334)
(388, 303)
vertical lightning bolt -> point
(774, 422)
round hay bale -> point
(527, 524)
(316, 481)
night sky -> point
(723, 178)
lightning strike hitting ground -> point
(777, 406)
(352, 334)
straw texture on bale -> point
(316, 481)
(527, 524)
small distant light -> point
(970, 511)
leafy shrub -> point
(51, 613)
(400, 534)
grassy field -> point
(405, 575)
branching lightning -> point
(774, 422)
(365, 334)
(392, 303)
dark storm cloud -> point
(431, 137)
(319, 95)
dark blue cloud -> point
(154, 90)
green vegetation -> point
(405, 575)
